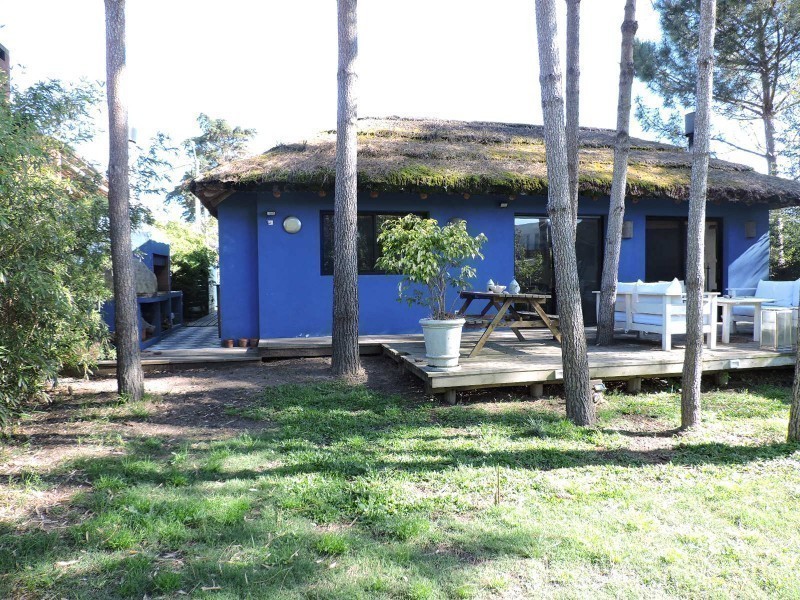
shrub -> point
(429, 256)
(53, 243)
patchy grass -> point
(348, 493)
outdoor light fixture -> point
(292, 224)
(627, 230)
(749, 229)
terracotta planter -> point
(242, 342)
(254, 342)
(227, 343)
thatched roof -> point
(420, 155)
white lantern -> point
(777, 329)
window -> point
(533, 259)
(369, 226)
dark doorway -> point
(533, 259)
(665, 250)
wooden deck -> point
(505, 361)
(306, 347)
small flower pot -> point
(254, 342)
(227, 343)
(242, 342)
(442, 342)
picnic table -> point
(507, 315)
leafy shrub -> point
(53, 242)
(192, 258)
(430, 258)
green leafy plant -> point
(430, 258)
(193, 258)
(53, 241)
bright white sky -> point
(271, 65)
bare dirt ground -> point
(188, 404)
(85, 419)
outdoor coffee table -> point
(727, 305)
(507, 315)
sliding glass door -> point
(533, 259)
(665, 251)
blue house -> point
(275, 218)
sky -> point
(271, 65)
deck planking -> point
(505, 361)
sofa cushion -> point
(648, 319)
(660, 288)
(743, 311)
(784, 293)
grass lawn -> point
(345, 492)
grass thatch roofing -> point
(421, 155)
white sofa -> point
(786, 294)
(660, 308)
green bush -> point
(192, 259)
(430, 258)
(53, 243)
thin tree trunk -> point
(794, 410)
(772, 168)
(780, 251)
(616, 206)
(130, 381)
(573, 100)
(693, 359)
(580, 407)
(345, 360)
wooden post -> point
(635, 385)
(450, 397)
(536, 390)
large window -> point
(534, 267)
(369, 226)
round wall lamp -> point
(292, 224)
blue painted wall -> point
(271, 281)
(145, 252)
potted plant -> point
(431, 260)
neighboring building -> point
(493, 175)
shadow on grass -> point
(246, 513)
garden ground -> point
(272, 481)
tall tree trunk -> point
(693, 359)
(573, 100)
(772, 169)
(580, 407)
(130, 381)
(794, 410)
(616, 206)
(345, 360)
(780, 251)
